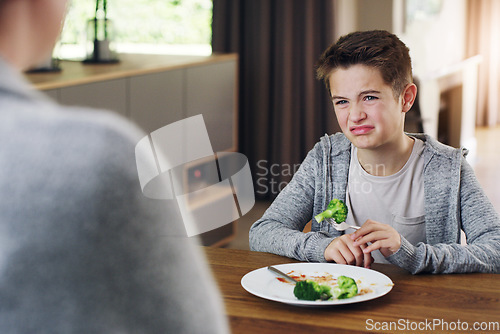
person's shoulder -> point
(92, 140)
(96, 122)
(440, 152)
(91, 132)
(108, 138)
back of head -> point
(376, 48)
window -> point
(142, 26)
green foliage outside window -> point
(153, 22)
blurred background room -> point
(248, 67)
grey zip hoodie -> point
(454, 201)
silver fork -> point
(342, 226)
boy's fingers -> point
(365, 239)
(343, 251)
(374, 246)
(367, 257)
(358, 255)
(366, 228)
(338, 251)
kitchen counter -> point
(77, 73)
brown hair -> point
(376, 48)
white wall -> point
(437, 46)
(438, 41)
(434, 42)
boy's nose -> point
(357, 114)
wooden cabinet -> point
(204, 85)
(109, 95)
(157, 99)
(153, 91)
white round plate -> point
(265, 284)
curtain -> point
(484, 39)
(283, 109)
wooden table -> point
(458, 303)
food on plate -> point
(310, 290)
(336, 209)
(346, 288)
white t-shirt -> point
(396, 200)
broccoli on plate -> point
(310, 290)
(346, 288)
(336, 209)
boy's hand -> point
(342, 250)
(381, 236)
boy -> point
(82, 250)
(410, 194)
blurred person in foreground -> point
(81, 249)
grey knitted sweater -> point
(81, 249)
(454, 201)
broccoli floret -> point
(310, 290)
(336, 209)
(346, 288)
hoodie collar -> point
(342, 144)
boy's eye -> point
(340, 102)
(370, 98)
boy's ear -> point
(409, 95)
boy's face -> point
(366, 109)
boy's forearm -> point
(273, 237)
(446, 258)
